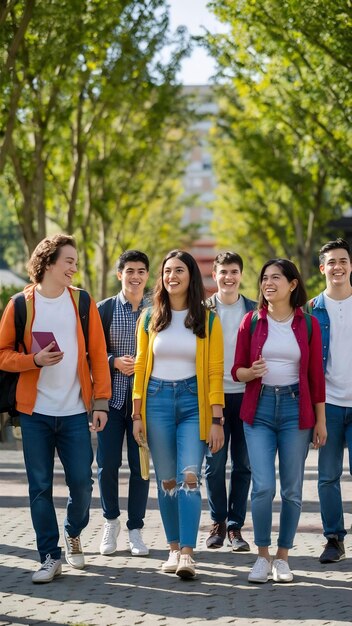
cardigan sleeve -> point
(141, 358)
(216, 364)
(316, 376)
(243, 346)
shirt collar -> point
(124, 301)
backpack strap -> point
(307, 317)
(19, 302)
(254, 320)
(82, 300)
(211, 320)
(147, 317)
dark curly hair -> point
(46, 253)
(289, 270)
(195, 319)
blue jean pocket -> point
(153, 387)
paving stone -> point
(124, 590)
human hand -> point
(99, 420)
(45, 357)
(259, 368)
(124, 364)
(216, 438)
(319, 435)
(138, 431)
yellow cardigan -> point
(209, 371)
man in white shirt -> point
(228, 514)
(333, 309)
(55, 392)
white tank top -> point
(282, 354)
(174, 350)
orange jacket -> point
(94, 380)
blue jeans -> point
(330, 467)
(215, 469)
(275, 429)
(177, 451)
(70, 436)
(109, 459)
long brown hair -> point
(195, 318)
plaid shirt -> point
(122, 342)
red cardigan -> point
(311, 376)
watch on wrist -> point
(220, 421)
(136, 417)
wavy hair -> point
(298, 295)
(46, 253)
(195, 318)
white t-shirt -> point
(230, 316)
(282, 354)
(58, 390)
(174, 350)
(339, 364)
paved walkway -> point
(123, 590)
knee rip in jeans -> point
(169, 487)
(190, 482)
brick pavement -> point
(123, 590)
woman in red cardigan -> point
(279, 357)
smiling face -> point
(275, 287)
(228, 279)
(176, 278)
(133, 279)
(337, 269)
(61, 273)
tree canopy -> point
(93, 126)
(283, 141)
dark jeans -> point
(330, 468)
(234, 510)
(109, 459)
(70, 436)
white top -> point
(230, 316)
(58, 391)
(339, 364)
(174, 350)
(282, 354)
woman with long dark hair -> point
(279, 357)
(178, 399)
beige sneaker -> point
(73, 551)
(170, 566)
(186, 567)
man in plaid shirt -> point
(119, 316)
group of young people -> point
(191, 378)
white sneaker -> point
(112, 529)
(73, 551)
(261, 571)
(186, 567)
(137, 545)
(48, 570)
(281, 571)
(170, 566)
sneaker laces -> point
(75, 545)
(48, 563)
(235, 533)
(109, 530)
(215, 529)
(282, 566)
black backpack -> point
(8, 380)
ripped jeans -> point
(177, 453)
